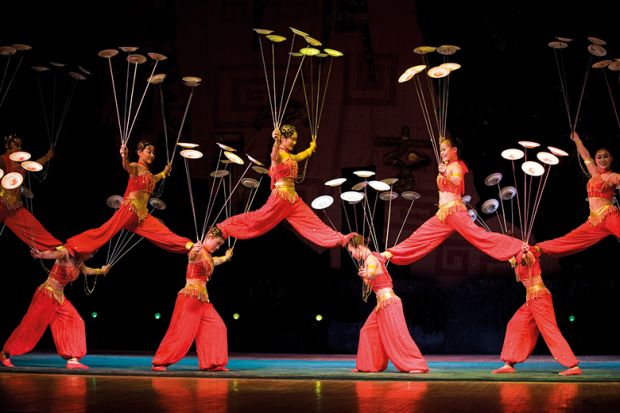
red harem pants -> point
(433, 232)
(583, 236)
(67, 327)
(28, 228)
(194, 319)
(124, 218)
(298, 214)
(384, 337)
(536, 315)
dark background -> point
(508, 90)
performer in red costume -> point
(194, 317)
(12, 211)
(384, 335)
(535, 316)
(49, 307)
(452, 216)
(133, 213)
(604, 217)
(283, 203)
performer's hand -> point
(442, 168)
(168, 169)
(124, 151)
(363, 273)
(574, 136)
(105, 269)
(313, 145)
(35, 253)
(49, 155)
(387, 254)
(229, 254)
(276, 134)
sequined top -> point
(64, 273)
(598, 187)
(445, 185)
(142, 183)
(383, 279)
(287, 169)
(202, 268)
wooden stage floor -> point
(305, 383)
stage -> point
(269, 382)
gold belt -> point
(197, 291)
(385, 298)
(598, 215)
(53, 288)
(536, 291)
(285, 190)
(449, 208)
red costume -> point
(132, 216)
(452, 216)
(536, 315)
(602, 222)
(50, 307)
(384, 335)
(283, 203)
(19, 219)
(195, 318)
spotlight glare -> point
(157, 316)
(235, 316)
(318, 317)
(571, 318)
(93, 314)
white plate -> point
(254, 161)
(557, 151)
(335, 182)
(507, 193)
(40, 68)
(532, 168)
(298, 32)
(322, 202)
(359, 186)
(424, 49)
(114, 201)
(388, 196)
(466, 199)
(390, 181)
(379, 186)
(219, 173)
(312, 41)
(596, 50)
(32, 166)
(275, 38)
(225, 147)
(233, 157)
(137, 59)
(260, 169)
(249, 183)
(597, 41)
(333, 52)
(529, 144)
(108, 53)
(19, 156)
(363, 174)
(447, 49)
(410, 195)
(157, 78)
(128, 49)
(157, 203)
(557, 45)
(473, 214)
(437, 72)
(191, 154)
(263, 31)
(548, 158)
(187, 145)
(493, 179)
(157, 56)
(490, 206)
(512, 154)
(352, 197)
(12, 180)
(77, 76)
(451, 66)
(309, 51)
